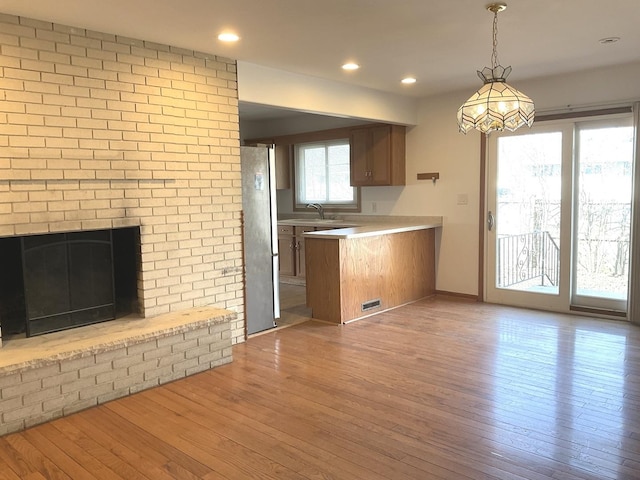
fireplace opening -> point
(58, 281)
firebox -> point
(58, 281)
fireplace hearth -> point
(58, 281)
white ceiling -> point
(441, 43)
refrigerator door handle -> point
(275, 259)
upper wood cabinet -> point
(283, 167)
(378, 155)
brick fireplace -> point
(100, 132)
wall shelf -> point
(429, 176)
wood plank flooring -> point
(440, 389)
(293, 305)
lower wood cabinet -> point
(286, 251)
(351, 278)
(301, 270)
(291, 248)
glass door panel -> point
(559, 215)
(525, 247)
(528, 194)
(602, 214)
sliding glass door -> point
(558, 215)
(602, 213)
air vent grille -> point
(371, 304)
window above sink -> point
(322, 176)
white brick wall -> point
(101, 131)
(59, 386)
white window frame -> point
(299, 203)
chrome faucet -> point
(318, 207)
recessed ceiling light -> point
(228, 37)
(350, 66)
(607, 40)
(409, 80)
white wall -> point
(292, 125)
(435, 145)
(263, 85)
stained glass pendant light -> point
(497, 105)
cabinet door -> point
(397, 155)
(301, 270)
(380, 156)
(359, 152)
(283, 167)
(286, 250)
(286, 255)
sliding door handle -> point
(491, 221)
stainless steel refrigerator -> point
(262, 302)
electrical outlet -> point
(463, 199)
(374, 207)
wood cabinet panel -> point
(359, 145)
(286, 250)
(286, 255)
(395, 269)
(323, 287)
(292, 251)
(300, 250)
(283, 167)
(378, 156)
(285, 230)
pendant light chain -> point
(494, 54)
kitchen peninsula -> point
(361, 270)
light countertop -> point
(365, 227)
(317, 222)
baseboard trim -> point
(293, 280)
(598, 311)
(464, 296)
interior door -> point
(558, 216)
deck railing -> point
(525, 257)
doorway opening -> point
(293, 304)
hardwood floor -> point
(440, 389)
(293, 305)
